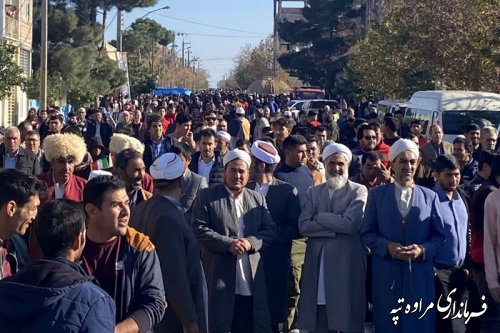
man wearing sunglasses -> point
(211, 120)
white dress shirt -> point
(403, 198)
(243, 269)
(204, 168)
(59, 190)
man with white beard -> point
(335, 265)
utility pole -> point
(189, 53)
(183, 51)
(183, 47)
(119, 31)
(43, 56)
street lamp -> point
(154, 10)
(119, 30)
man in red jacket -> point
(63, 152)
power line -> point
(111, 22)
(221, 36)
(209, 25)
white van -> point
(452, 109)
(390, 106)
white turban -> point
(168, 166)
(236, 154)
(224, 135)
(337, 148)
(97, 173)
(265, 152)
(400, 146)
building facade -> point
(16, 22)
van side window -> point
(423, 115)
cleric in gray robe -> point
(333, 276)
(233, 226)
(192, 183)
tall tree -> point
(431, 44)
(144, 38)
(75, 60)
(329, 31)
(87, 9)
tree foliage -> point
(152, 63)
(330, 30)
(253, 64)
(11, 74)
(76, 60)
(87, 9)
(425, 44)
(144, 37)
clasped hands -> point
(240, 246)
(405, 253)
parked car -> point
(319, 104)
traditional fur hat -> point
(63, 146)
(119, 142)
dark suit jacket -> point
(106, 132)
(284, 205)
(147, 156)
(216, 173)
(25, 161)
(214, 224)
(161, 219)
(193, 183)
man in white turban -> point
(162, 219)
(284, 205)
(233, 226)
(335, 264)
(223, 140)
(404, 230)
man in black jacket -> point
(123, 260)
(98, 127)
(207, 162)
(156, 145)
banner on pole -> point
(121, 59)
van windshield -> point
(455, 122)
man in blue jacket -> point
(54, 294)
(123, 260)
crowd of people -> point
(227, 212)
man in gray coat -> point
(233, 226)
(162, 219)
(13, 156)
(284, 205)
(333, 277)
(192, 183)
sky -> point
(216, 29)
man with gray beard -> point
(335, 264)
